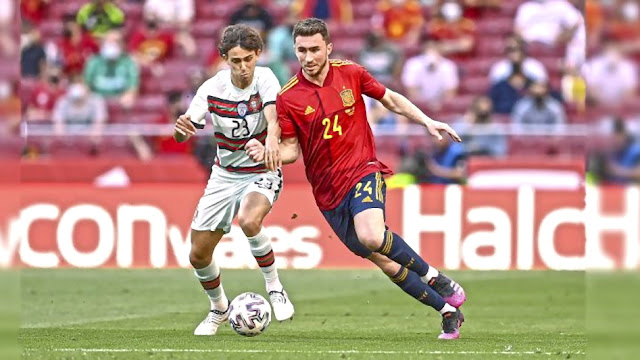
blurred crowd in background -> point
(516, 78)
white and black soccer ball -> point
(249, 314)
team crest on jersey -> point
(253, 105)
(347, 98)
(242, 109)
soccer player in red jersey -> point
(321, 111)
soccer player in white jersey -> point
(241, 101)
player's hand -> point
(435, 127)
(184, 125)
(272, 154)
(255, 150)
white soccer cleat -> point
(282, 306)
(210, 324)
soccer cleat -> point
(451, 323)
(282, 306)
(450, 290)
(210, 324)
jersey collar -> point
(327, 81)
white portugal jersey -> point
(236, 115)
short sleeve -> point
(284, 120)
(370, 86)
(269, 87)
(199, 107)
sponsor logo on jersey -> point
(309, 110)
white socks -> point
(447, 308)
(209, 278)
(431, 274)
(262, 251)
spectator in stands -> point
(454, 33)
(75, 47)
(254, 14)
(39, 105)
(507, 92)
(172, 13)
(622, 163)
(538, 107)
(446, 164)
(550, 22)
(10, 106)
(401, 20)
(625, 26)
(8, 45)
(33, 57)
(279, 68)
(80, 108)
(280, 39)
(517, 59)
(381, 58)
(430, 78)
(33, 11)
(112, 72)
(100, 16)
(594, 18)
(331, 11)
(380, 117)
(612, 78)
(479, 132)
(150, 45)
(473, 9)
(163, 145)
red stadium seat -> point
(499, 26)
(209, 28)
(474, 85)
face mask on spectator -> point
(110, 50)
(5, 90)
(630, 10)
(451, 11)
(77, 91)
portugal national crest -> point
(347, 98)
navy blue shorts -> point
(369, 193)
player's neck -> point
(320, 77)
(241, 83)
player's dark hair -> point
(310, 27)
(239, 35)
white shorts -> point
(225, 190)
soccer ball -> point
(249, 314)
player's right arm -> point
(184, 128)
(194, 118)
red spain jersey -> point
(330, 122)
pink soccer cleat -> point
(450, 290)
(451, 323)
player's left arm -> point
(269, 89)
(402, 106)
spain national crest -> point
(347, 98)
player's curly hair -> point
(310, 27)
(239, 35)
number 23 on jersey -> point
(330, 130)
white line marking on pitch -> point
(390, 352)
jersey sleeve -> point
(199, 107)
(287, 125)
(370, 86)
(269, 88)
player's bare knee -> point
(199, 259)
(250, 225)
(371, 239)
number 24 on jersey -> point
(326, 122)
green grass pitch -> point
(340, 314)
